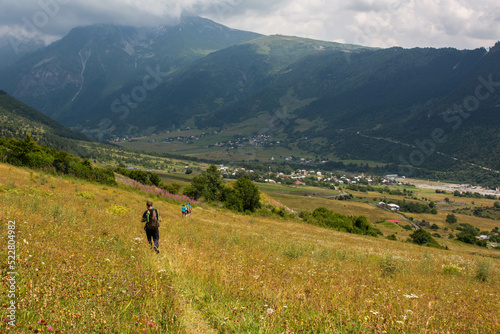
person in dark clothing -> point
(151, 227)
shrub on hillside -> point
(336, 221)
(244, 195)
(147, 178)
(423, 238)
(413, 207)
(27, 153)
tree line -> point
(28, 153)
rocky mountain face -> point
(64, 79)
(13, 48)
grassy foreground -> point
(83, 266)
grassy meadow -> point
(83, 266)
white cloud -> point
(383, 23)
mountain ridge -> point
(19, 120)
(114, 81)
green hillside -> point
(332, 100)
(66, 79)
(18, 120)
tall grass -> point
(86, 267)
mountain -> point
(13, 48)
(18, 120)
(210, 85)
(421, 109)
(64, 79)
(374, 104)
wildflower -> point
(411, 296)
(374, 312)
(399, 322)
(39, 321)
(270, 311)
(49, 328)
(5, 319)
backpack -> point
(152, 219)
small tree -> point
(244, 196)
(208, 184)
(451, 218)
(421, 237)
(154, 179)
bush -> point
(423, 238)
(172, 188)
(28, 153)
(336, 221)
(451, 269)
(244, 196)
(451, 218)
(388, 265)
(209, 185)
(483, 271)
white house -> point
(393, 207)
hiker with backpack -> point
(189, 208)
(184, 210)
(152, 219)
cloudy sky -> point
(463, 24)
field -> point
(202, 146)
(83, 266)
(302, 198)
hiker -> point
(184, 210)
(189, 208)
(152, 219)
